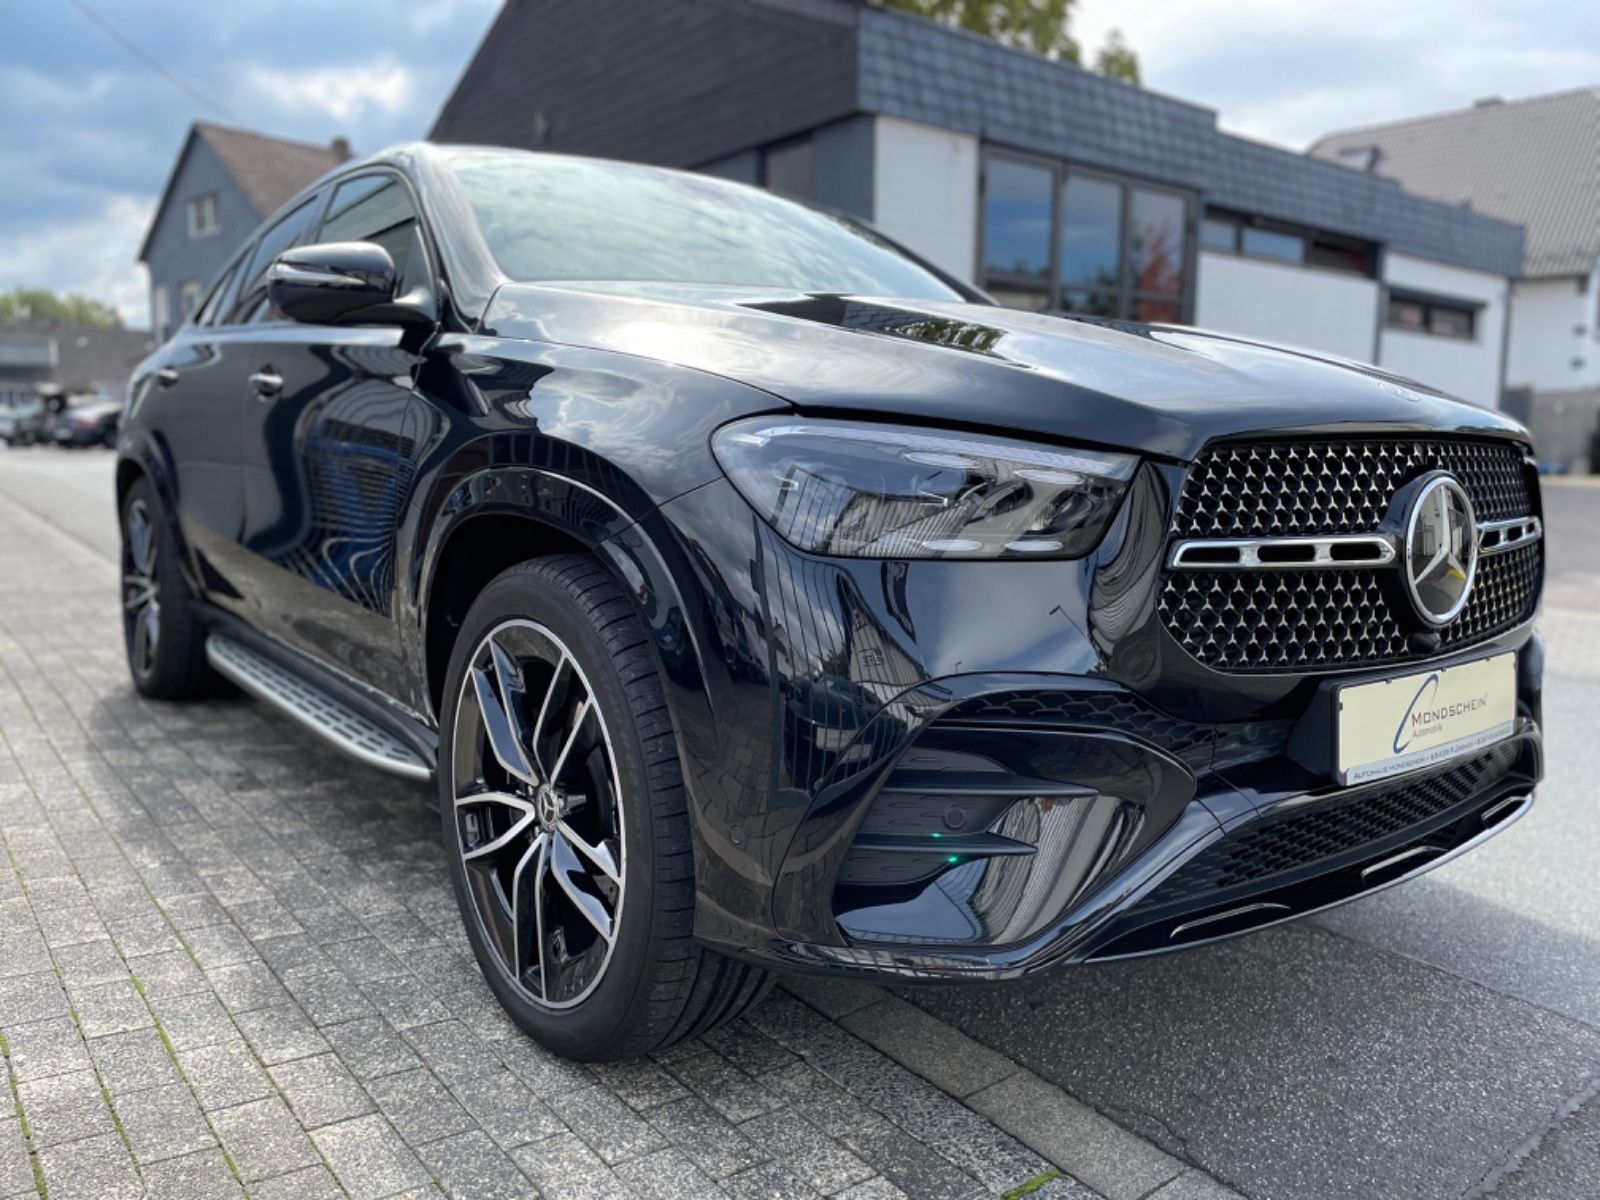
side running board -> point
(319, 712)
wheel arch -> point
(140, 458)
(498, 517)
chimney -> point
(340, 147)
(1487, 101)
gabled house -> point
(224, 184)
(1535, 162)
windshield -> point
(546, 217)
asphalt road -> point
(1440, 1039)
(72, 489)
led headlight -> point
(888, 491)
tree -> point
(40, 304)
(1117, 60)
(1037, 25)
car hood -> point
(1163, 390)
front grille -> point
(1300, 620)
(1296, 620)
(1301, 839)
(1292, 489)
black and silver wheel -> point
(165, 640)
(538, 812)
(564, 814)
(141, 599)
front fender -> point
(582, 514)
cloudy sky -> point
(88, 132)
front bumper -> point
(977, 770)
(1203, 880)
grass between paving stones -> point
(138, 985)
(22, 1122)
(5, 1050)
(1031, 1186)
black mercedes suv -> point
(763, 599)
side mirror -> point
(341, 283)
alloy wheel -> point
(538, 812)
(141, 599)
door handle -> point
(266, 382)
(167, 376)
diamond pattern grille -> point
(1262, 621)
(1290, 489)
(1299, 620)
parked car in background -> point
(94, 424)
(759, 598)
(21, 421)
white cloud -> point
(1287, 73)
(424, 18)
(94, 255)
(343, 93)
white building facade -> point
(1535, 162)
(946, 196)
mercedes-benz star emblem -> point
(1441, 550)
(548, 806)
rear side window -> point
(377, 208)
(287, 232)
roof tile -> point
(1535, 161)
(268, 170)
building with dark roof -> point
(224, 183)
(1048, 185)
(43, 356)
(1535, 162)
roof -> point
(1534, 161)
(267, 170)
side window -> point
(214, 303)
(287, 232)
(377, 208)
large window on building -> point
(1017, 225)
(1279, 241)
(1059, 237)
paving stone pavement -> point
(230, 964)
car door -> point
(333, 431)
(192, 395)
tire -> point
(165, 641)
(554, 646)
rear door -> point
(192, 399)
(332, 436)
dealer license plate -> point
(1420, 720)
